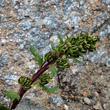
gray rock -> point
(103, 16)
(34, 32)
(4, 59)
(107, 60)
(2, 3)
(66, 107)
(56, 100)
(106, 1)
(2, 17)
(25, 24)
(21, 47)
(77, 109)
(106, 106)
(46, 49)
(87, 100)
(27, 104)
(16, 57)
(75, 20)
(98, 106)
(34, 22)
(23, 13)
(96, 56)
(82, 2)
(108, 30)
(40, 43)
(20, 13)
(10, 79)
(6, 101)
(0, 73)
(102, 34)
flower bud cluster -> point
(78, 45)
(45, 78)
(74, 46)
(62, 62)
(25, 82)
(50, 56)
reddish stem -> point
(16, 102)
(34, 77)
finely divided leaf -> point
(54, 48)
(2, 107)
(49, 90)
(76, 60)
(35, 83)
(39, 61)
(53, 70)
(36, 55)
(67, 38)
(60, 38)
(11, 95)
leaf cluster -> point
(12, 96)
(45, 78)
(25, 82)
(37, 57)
(57, 58)
(71, 48)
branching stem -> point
(34, 78)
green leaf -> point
(67, 38)
(53, 70)
(2, 107)
(53, 47)
(60, 38)
(11, 95)
(36, 55)
(35, 83)
(49, 90)
(76, 60)
(38, 61)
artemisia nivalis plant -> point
(56, 59)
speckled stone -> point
(26, 104)
(56, 100)
(25, 24)
(37, 22)
(9, 79)
(87, 100)
(4, 59)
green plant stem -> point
(85, 44)
(34, 78)
(16, 102)
(39, 72)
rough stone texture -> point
(27, 104)
(37, 22)
(87, 86)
